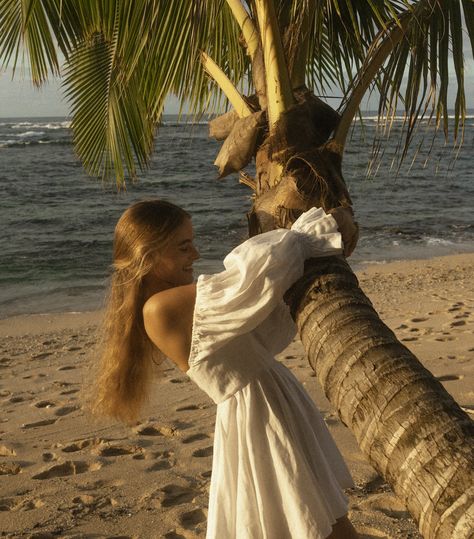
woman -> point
(276, 471)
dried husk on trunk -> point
(303, 127)
(312, 178)
(220, 127)
(240, 145)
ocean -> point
(57, 223)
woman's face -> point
(174, 265)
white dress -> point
(276, 471)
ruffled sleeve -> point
(257, 274)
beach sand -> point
(64, 474)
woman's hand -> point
(348, 228)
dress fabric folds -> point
(276, 471)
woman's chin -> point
(188, 278)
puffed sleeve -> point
(257, 274)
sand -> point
(65, 475)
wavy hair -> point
(125, 369)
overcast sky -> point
(18, 98)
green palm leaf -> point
(124, 58)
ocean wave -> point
(182, 123)
(403, 118)
(36, 125)
(430, 240)
(21, 143)
(30, 134)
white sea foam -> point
(30, 134)
(7, 143)
(36, 125)
(437, 241)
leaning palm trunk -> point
(408, 425)
(410, 428)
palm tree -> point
(124, 57)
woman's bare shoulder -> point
(171, 302)
(168, 321)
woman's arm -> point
(168, 320)
(258, 273)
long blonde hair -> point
(126, 363)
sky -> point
(19, 98)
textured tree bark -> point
(408, 425)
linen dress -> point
(276, 471)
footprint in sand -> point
(465, 314)
(49, 457)
(42, 355)
(69, 392)
(16, 398)
(187, 407)
(81, 444)
(155, 430)
(204, 452)
(160, 465)
(84, 504)
(177, 495)
(41, 423)
(458, 323)
(66, 410)
(44, 404)
(173, 535)
(67, 468)
(192, 518)
(118, 450)
(420, 319)
(449, 377)
(9, 504)
(66, 368)
(207, 474)
(409, 339)
(164, 461)
(195, 437)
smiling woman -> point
(224, 332)
(153, 251)
(174, 263)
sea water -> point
(57, 223)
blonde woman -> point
(276, 472)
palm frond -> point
(124, 58)
(24, 29)
(418, 70)
(111, 125)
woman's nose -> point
(196, 254)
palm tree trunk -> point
(408, 425)
(410, 428)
